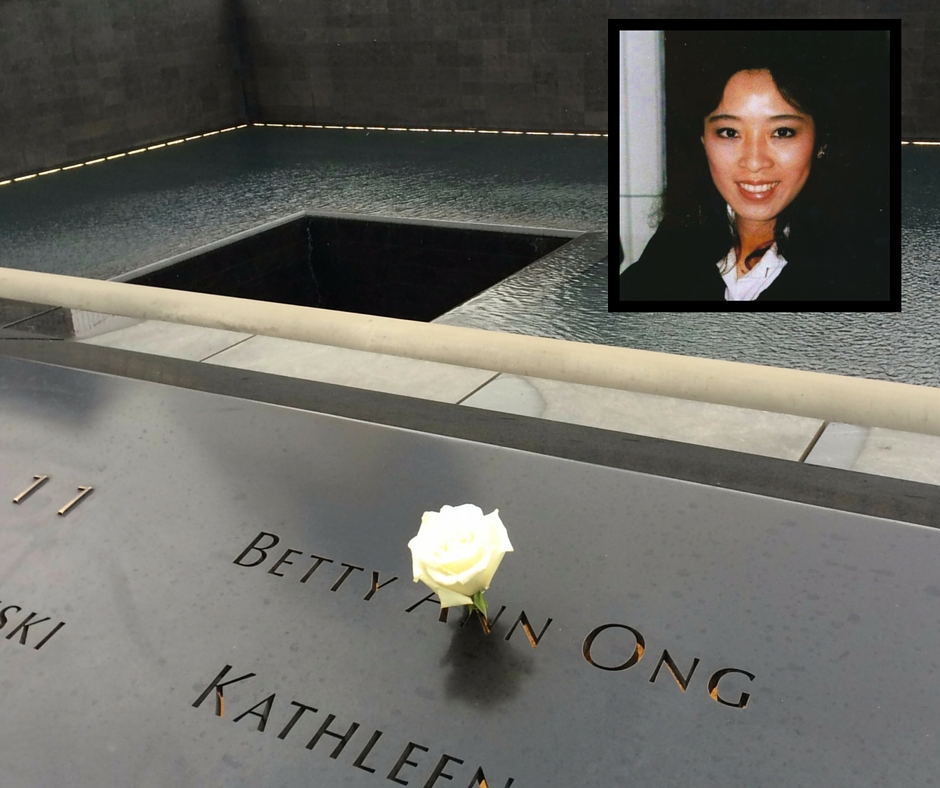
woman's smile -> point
(758, 192)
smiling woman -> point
(759, 166)
(766, 197)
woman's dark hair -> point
(809, 71)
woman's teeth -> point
(765, 187)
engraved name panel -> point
(644, 631)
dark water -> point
(887, 346)
(110, 218)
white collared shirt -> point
(755, 281)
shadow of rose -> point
(484, 670)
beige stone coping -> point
(872, 403)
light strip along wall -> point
(459, 131)
(289, 126)
(134, 152)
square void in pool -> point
(416, 270)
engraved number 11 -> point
(39, 481)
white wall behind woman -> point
(641, 157)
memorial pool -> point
(107, 220)
(130, 213)
(104, 220)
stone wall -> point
(526, 64)
(85, 78)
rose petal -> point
(498, 531)
(467, 586)
(442, 574)
(486, 577)
(435, 533)
(452, 598)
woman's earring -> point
(822, 152)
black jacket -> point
(682, 266)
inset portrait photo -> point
(755, 167)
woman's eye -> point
(781, 133)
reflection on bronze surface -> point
(83, 491)
(484, 623)
(713, 688)
(634, 658)
(40, 481)
(667, 660)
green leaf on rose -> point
(479, 602)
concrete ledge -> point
(835, 398)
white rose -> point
(457, 551)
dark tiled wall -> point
(526, 64)
(920, 59)
(270, 266)
(412, 271)
(83, 78)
